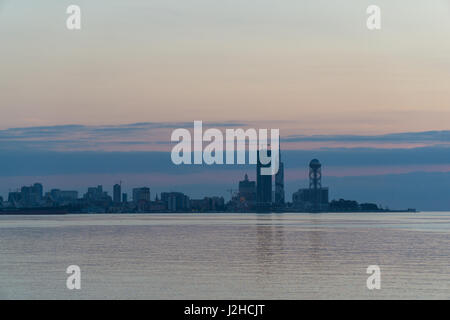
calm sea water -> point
(226, 256)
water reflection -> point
(315, 241)
(289, 256)
(269, 244)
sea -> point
(226, 256)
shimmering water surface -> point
(226, 256)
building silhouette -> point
(141, 195)
(279, 182)
(28, 196)
(263, 184)
(207, 204)
(117, 192)
(97, 194)
(62, 197)
(247, 190)
(175, 201)
(315, 198)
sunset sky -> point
(140, 68)
(307, 65)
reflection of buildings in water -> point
(315, 241)
(270, 244)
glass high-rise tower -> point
(263, 185)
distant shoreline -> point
(62, 213)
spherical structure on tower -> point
(315, 164)
(315, 174)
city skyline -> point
(401, 169)
(266, 194)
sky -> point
(375, 100)
(311, 62)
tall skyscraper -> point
(279, 186)
(263, 185)
(117, 193)
(279, 181)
